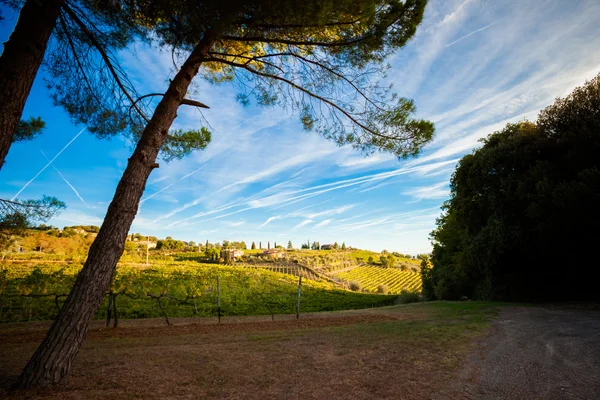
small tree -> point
(17, 216)
(253, 247)
(289, 246)
(344, 246)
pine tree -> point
(253, 246)
(289, 246)
(321, 57)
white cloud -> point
(270, 219)
(323, 223)
(436, 191)
(301, 224)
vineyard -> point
(35, 291)
(294, 270)
(394, 279)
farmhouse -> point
(327, 247)
(274, 253)
(231, 254)
(150, 244)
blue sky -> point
(473, 66)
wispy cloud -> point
(436, 191)
(474, 32)
(172, 183)
(236, 223)
(301, 224)
(269, 220)
(323, 223)
(48, 164)
(66, 181)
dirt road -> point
(536, 353)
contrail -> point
(47, 165)
(168, 186)
(474, 32)
(66, 181)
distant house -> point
(274, 253)
(237, 253)
(327, 247)
(231, 254)
(151, 245)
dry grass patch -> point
(407, 351)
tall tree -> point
(320, 59)
(521, 202)
(19, 63)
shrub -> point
(382, 289)
(409, 296)
(355, 286)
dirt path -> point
(536, 353)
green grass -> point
(186, 289)
(431, 324)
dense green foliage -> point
(523, 213)
(29, 129)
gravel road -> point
(537, 353)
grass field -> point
(35, 290)
(407, 351)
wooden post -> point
(219, 298)
(299, 291)
(114, 306)
(109, 310)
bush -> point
(409, 296)
(382, 289)
(355, 286)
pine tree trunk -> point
(52, 360)
(22, 56)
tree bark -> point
(22, 56)
(52, 360)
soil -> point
(535, 353)
(388, 353)
(241, 358)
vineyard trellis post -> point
(218, 299)
(299, 293)
(147, 249)
(109, 310)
